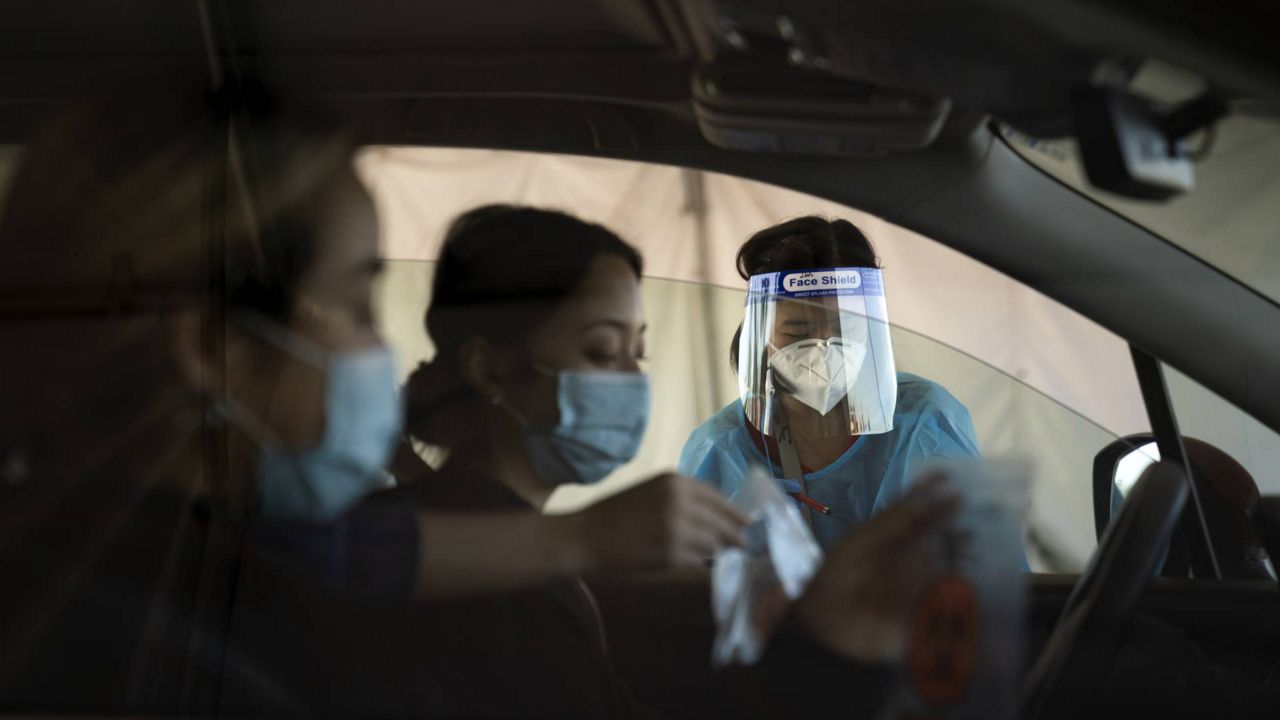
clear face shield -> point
(815, 353)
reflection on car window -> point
(689, 224)
(1009, 417)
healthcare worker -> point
(820, 400)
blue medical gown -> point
(929, 422)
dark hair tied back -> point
(502, 271)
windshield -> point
(1231, 219)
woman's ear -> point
(183, 329)
(483, 368)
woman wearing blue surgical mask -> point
(196, 402)
(193, 385)
(536, 382)
(822, 404)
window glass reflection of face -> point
(332, 311)
(334, 304)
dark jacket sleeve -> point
(371, 552)
(798, 678)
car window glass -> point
(1204, 415)
(1037, 379)
(1009, 417)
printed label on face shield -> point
(825, 282)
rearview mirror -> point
(1133, 147)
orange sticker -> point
(944, 641)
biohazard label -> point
(944, 641)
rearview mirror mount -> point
(1133, 148)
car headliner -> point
(612, 78)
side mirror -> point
(1129, 469)
(1235, 515)
(1267, 520)
(1115, 471)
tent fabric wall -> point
(933, 290)
(1038, 378)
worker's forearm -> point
(486, 553)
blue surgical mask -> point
(363, 421)
(603, 416)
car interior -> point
(1011, 133)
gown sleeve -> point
(940, 428)
(943, 429)
(710, 456)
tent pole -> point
(695, 204)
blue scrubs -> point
(874, 472)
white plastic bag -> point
(752, 586)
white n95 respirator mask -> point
(818, 373)
(841, 361)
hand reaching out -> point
(860, 603)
